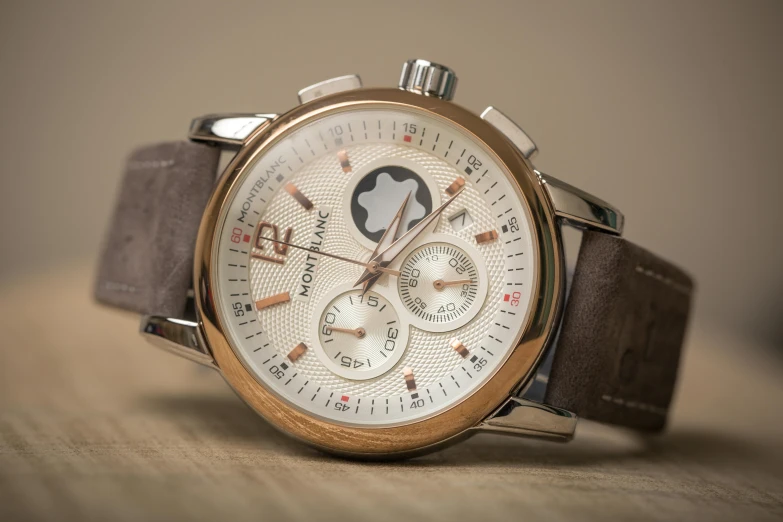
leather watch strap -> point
(147, 262)
(619, 347)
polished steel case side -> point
(178, 336)
(229, 130)
(526, 418)
(460, 419)
(580, 209)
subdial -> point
(359, 336)
(441, 286)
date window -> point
(460, 220)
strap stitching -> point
(685, 289)
(643, 406)
(114, 286)
(149, 164)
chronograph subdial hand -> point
(372, 267)
(440, 284)
(358, 332)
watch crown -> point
(428, 78)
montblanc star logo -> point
(382, 202)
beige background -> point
(670, 110)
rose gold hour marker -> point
(460, 348)
(455, 186)
(486, 237)
(278, 248)
(409, 381)
(273, 300)
(298, 196)
(297, 352)
(344, 161)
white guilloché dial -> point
(295, 317)
(359, 335)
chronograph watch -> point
(380, 272)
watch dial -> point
(381, 348)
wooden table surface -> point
(97, 425)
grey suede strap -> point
(147, 262)
(619, 347)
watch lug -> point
(581, 209)
(530, 419)
(228, 130)
(510, 130)
(331, 86)
(177, 336)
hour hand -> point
(389, 236)
(386, 256)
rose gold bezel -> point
(446, 425)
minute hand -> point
(395, 249)
(386, 240)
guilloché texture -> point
(401, 147)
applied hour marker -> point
(410, 382)
(273, 300)
(345, 163)
(298, 196)
(486, 237)
(297, 352)
(460, 348)
(455, 186)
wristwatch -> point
(379, 272)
